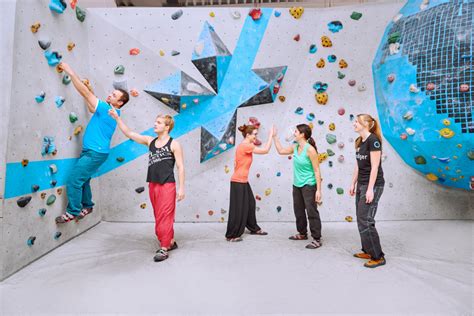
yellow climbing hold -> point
(78, 130)
(212, 14)
(143, 205)
(226, 169)
(446, 122)
(348, 219)
(322, 157)
(431, 177)
(183, 106)
(446, 133)
(459, 145)
(311, 125)
(268, 192)
(162, 52)
(332, 126)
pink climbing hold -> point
(352, 82)
(391, 78)
(341, 111)
(134, 51)
(297, 37)
(403, 136)
(464, 87)
(430, 86)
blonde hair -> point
(169, 121)
(372, 124)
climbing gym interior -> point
(214, 66)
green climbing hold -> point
(66, 80)
(51, 199)
(119, 70)
(320, 122)
(120, 159)
(470, 154)
(331, 138)
(420, 160)
(356, 15)
(340, 75)
(340, 191)
(330, 152)
(394, 37)
(80, 14)
(72, 117)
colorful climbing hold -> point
(430, 86)
(343, 64)
(332, 126)
(321, 63)
(361, 87)
(255, 14)
(57, 6)
(278, 209)
(87, 84)
(320, 86)
(332, 58)
(330, 152)
(73, 117)
(80, 14)
(326, 41)
(431, 177)
(394, 37)
(44, 43)
(341, 111)
(210, 212)
(340, 75)
(42, 212)
(43, 195)
(348, 219)
(70, 46)
(134, 51)
(322, 98)
(40, 97)
(57, 235)
(410, 131)
(78, 130)
(464, 87)
(356, 15)
(340, 158)
(59, 191)
(162, 52)
(313, 49)
(340, 191)
(134, 93)
(53, 168)
(299, 110)
(340, 145)
(35, 188)
(420, 160)
(143, 205)
(268, 192)
(330, 186)
(59, 100)
(73, 4)
(331, 138)
(446, 133)
(51, 199)
(31, 241)
(53, 58)
(174, 53)
(297, 38)
(322, 157)
(212, 14)
(446, 122)
(310, 116)
(235, 14)
(258, 198)
(391, 78)
(296, 12)
(470, 154)
(408, 116)
(120, 159)
(140, 190)
(352, 82)
(277, 13)
(394, 48)
(330, 164)
(403, 136)
(66, 80)
(226, 169)
(335, 26)
(48, 146)
(35, 27)
(278, 174)
(23, 201)
(413, 88)
(24, 162)
(176, 15)
(320, 122)
(119, 70)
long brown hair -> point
(247, 129)
(372, 124)
(306, 130)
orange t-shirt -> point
(243, 161)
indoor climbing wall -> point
(425, 93)
(213, 69)
(44, 134)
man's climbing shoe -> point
(375, 263)
(161, 255)
(65, 218)
(85, 212)
(173, 246)
(363, 255)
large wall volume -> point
(213, 69)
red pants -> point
(163, 199)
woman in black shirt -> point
(367, 185)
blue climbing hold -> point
(310, 117)
(31, 241)
(53, 58)
(332, 58)
(48, 146)
(40, 97)
(57, 6)
(59, 101)
(320, 122)
(351, 117)
(42, 212)
(299, 110)
(320, 87)
(277, 13)
(278, 173)
(313, 49)
(57, 235)
(335, 26)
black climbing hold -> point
(57, 235)
(120, 159)
(53, 183)
(23, 201)
(44, 43)
(330, 163)
(35, 188)
(140, 189)
(329, 186)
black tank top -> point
(160, 163)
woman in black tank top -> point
(164, 153)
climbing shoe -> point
(375, 263)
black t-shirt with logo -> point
(160, 163)
(372, 143)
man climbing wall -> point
(96, 147)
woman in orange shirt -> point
(242, 201)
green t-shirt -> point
(303, 172)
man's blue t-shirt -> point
(100, 129)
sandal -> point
(316, 243)
(298, 237)
(85, 212)
(161, 255)
(260, 232)
(234, 239)
(65, 218)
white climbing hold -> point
(424, 4)
(194, 87)
(223, 146)
(397, 17)
(413, 88)
(361, 87)
(235, 14)
(410, 131)
(394, 48)
(198, 49)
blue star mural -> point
(231, 77)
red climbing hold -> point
(134, 51)
(341, 111)
(255, 13)
(73, 4)
(297, 38)
(276, 88)
(430, 86)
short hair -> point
(124, 98)
(169, 120)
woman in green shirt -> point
(306, 184)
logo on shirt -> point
(376, 144)
(160, 155)
(361, 157)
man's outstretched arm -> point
(91, 99)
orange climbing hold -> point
(321, 63)
(134, 51)
(134, 92)
(326, 41)
(343, 64)
(281, 98)
(35, 27)
(25, 162)
(73, 4)
(70, 46)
